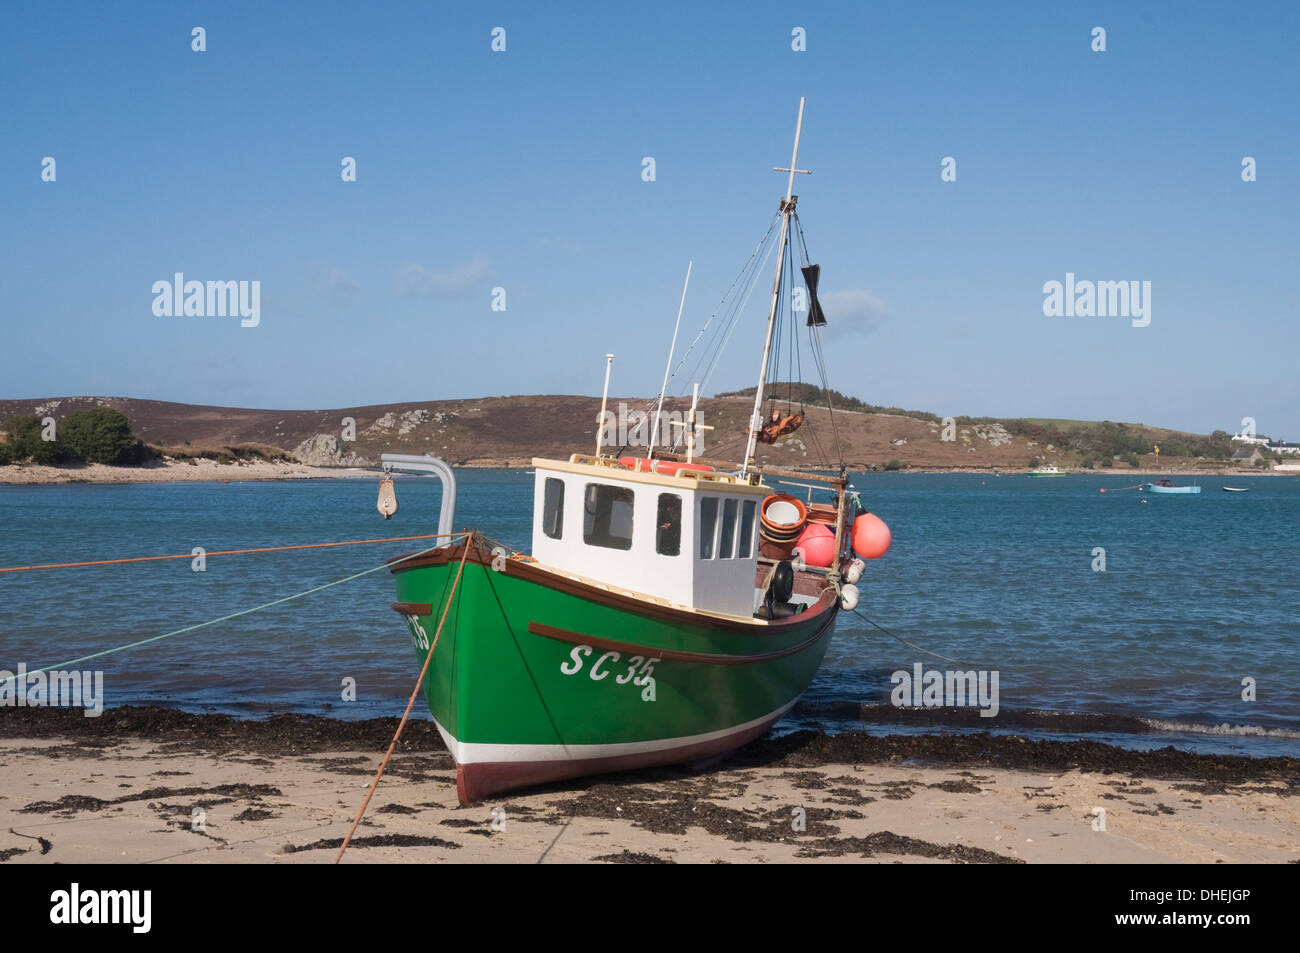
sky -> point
(522, 170)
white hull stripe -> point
(473, 753)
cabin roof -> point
(714, 482)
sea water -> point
(1189, 636)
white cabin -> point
(690, 539)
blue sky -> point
(522, 170)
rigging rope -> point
(745, 279)
(224, 618)
(410, 702)
(225, 552)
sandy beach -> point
(128, 787)
(200, 470)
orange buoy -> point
(817, 545)
(871, 536)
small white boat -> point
(1044, 472)
(1236, 489)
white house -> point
(1281, 446)
(1247, 438)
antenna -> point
(654, 431)
(604, 400)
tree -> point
(26, 438)
(99, 435)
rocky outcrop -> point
(404, 423)
(326, 450)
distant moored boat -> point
(1044, 472)
(1167, 486)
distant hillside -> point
(509, 431)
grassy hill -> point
(510, 430)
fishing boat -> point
(1044, 472)
(1164, 485)
(672, 606)
(1236, 489)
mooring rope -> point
(913, 645)
(410, 703)
(226, 552)
(224, 618)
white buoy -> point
(855, 570)
(849, 597)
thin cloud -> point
(854, 309)
(414, 281)
(338, 285)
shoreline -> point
(210, 471)
(127, 787)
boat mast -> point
(787, 206)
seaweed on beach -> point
(887, 842)
(809, 749)
(286, 734)
(632, 857)
(221, 793)
(372, 840)
(292, 734)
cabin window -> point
(708, 525)
(607, 516)
(727, 544)
(668, 533)
(746, 548)
(553, 508)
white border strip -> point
(473, 753)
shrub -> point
(1133, 461)
(1086, 463)
(6, 454)
(893, 465)
(100, 435)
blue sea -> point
(1198, 594)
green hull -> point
(538, 677)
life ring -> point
(666, 467)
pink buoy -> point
(871, 536)
(817, 545)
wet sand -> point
(125, 788)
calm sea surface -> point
(1199, 593)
